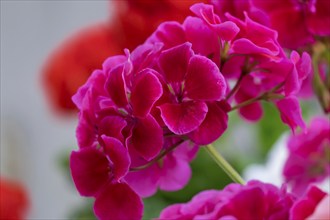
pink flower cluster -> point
(248, 54)
(144, 114)
(255, 200)
(309, 156)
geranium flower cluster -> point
(309, 156)
(255, 200)
(144, 115)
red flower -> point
(69, 66)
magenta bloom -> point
(95, 175)
(308, 160)
(128, 112)
(237, 9)
(297, 22)
(241, 48)
(257, 59)
(256, 200)
(116, 126)
(105, 108)
(194, 83)
(170, 174)
(290, 112)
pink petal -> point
(118, 154)
(118, 201)
(198, 33)
(322, 210)
(85, 132)
(171, 212)
(146, 91)
(94, 85)
(306, 204)
(302, 68)
(252, 112)
(186, 151)
(232, 68)
(174, 62)
(213, 126)
(170, 33)
(226, 30)
(184, 117)
(144, 55)
(205, 11)
(89, 170)
(246, 46)
(116, 87)
(175, 173)
(291, 112)
(112, 62)
(112, 126)
(146, 137)
(144, 182)
(204, 81)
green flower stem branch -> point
(320, 87)
(158, 158)
(221, 161)
(270, 95)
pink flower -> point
(302, 69)
(237, 9)
(171, 173)
(106, 109)
(127, 107)
(116, 126)
(290, 112)
(308, 161)
(256, 200)
(194, 82)
(307, 206)
(298, 22)
(94, 174)
(258, 62)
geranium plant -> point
(145, 114)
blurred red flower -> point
(14, 202)
(69, 66)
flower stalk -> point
(221, 161)
(156, 159)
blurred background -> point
(33, 136)
(38, 120)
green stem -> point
(236, 87)
(270, 95)
(221, 161)
(248, 102)
(322, 92)
(156, 159)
